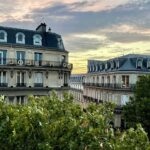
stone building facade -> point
(32, 62)
(114, 80)
(76, 86)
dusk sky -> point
(91, 29)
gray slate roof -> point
(126, 63)
(49, 39)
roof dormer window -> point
(3, 36)
(112, 65)
(96, 68)
(106, 66)
(117, 64)
(20, 38)
(139, 63)
(93, 68)
(148, 64)
(101, 67)
(60, 43)
(37, 40)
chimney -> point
(41, 27)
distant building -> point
(32, 62)
(114, 80)
(76, 86)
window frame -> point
(139, 61)
(23, 38)
(148, 64)
(37, 40)
(5, 36)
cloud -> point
(127, 37)
(97, 29)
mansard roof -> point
(122, 63)
(49, 39)
(77, 77)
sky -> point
(91, 29)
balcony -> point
(21, 85)
(38, 84)
(3, 84)
(114, 86)
(32, 63)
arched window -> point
(93, 68)
(20, 38)
(112, 65)
(117, 64)
(101, 67)
(139, 63)
(3, 36)
(106, 66)
(148, 63)
(60, 43)
(37, 39)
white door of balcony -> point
(38, 78)
(3, 77)
(1, 58)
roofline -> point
(6, 27)
(119, 57)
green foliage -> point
(47, 123)
(137, 109)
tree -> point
(137, 110)
(47, 123)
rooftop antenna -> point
(42, 20)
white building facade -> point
(32, 63)
(76, 86)
(114, 80)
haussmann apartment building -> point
(114, 80)
(32, 62)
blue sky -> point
(91, 29)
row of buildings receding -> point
(32, 62)
(111, 80)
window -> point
(11, 99)
(37, 40)
(20, 57)
(102, 81)
(3, 82)
(38, 59)
(3, 36)
(97, 79)
(106, 66)
(38, 79)
(124, 99)
(125, 81)
(148, 64)
(108, 80)
(112, 65)
(20, 100)
(117, 64)
(114, 80)
(20, 79)
(101, 67)
(20, 38)
(60, 43)
(3, 57)
(93, 68)
(139, 63)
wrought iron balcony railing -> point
(38, 84)
(21, 85)
(111, 85)
(29, 63)
(3, 84)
